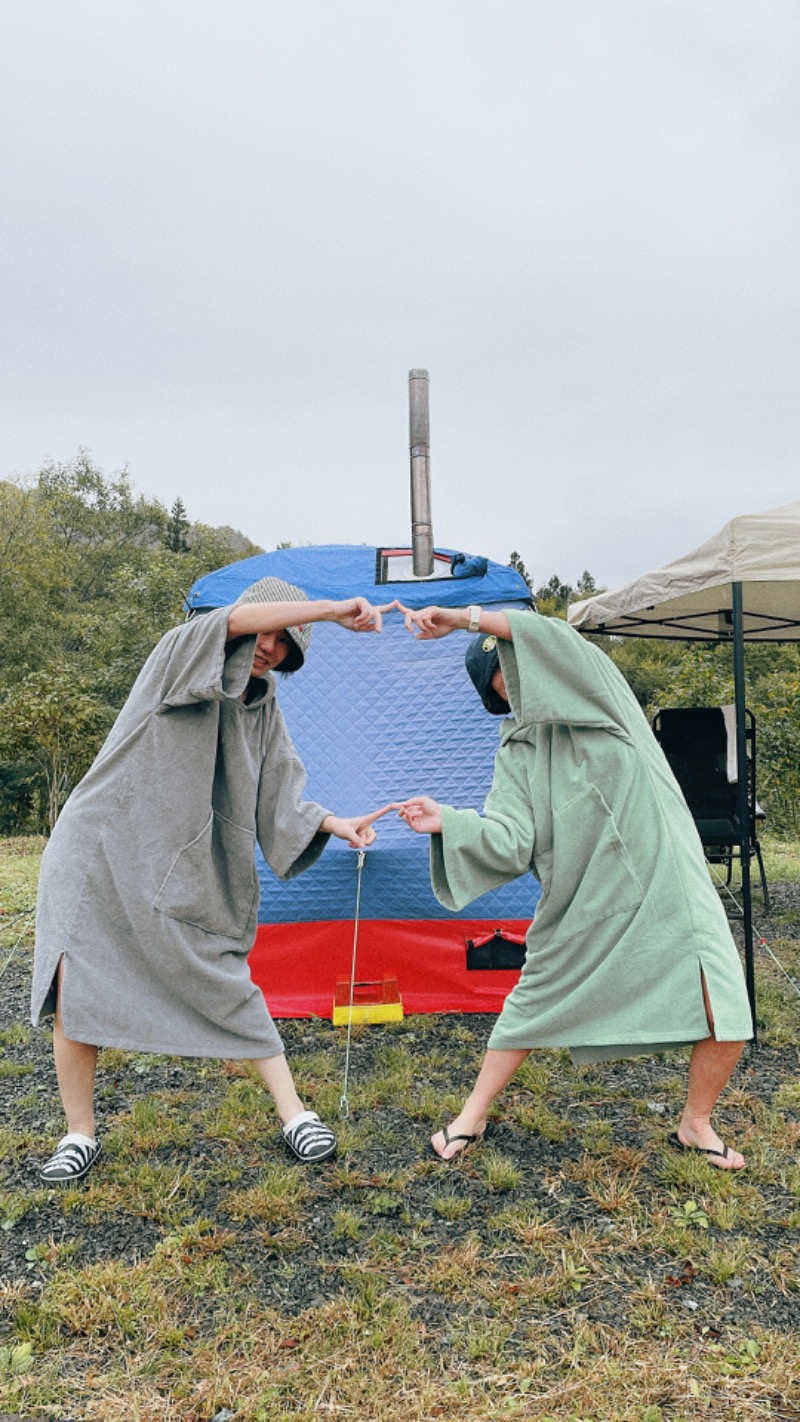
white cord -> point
(344, 1107)
(26, 914)
(762, 942)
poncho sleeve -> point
(553, 675)
(190, 666)
(197, 663)
(475, 853)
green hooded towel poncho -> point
(628, 922)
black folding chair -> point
(696, 742)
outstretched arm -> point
(357, 829)
(472, 853)
(355, 613)
(428, 623)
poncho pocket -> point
(593, 877)
(212, 882)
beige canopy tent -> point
(742, 585)
(693, 597)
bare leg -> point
(496, 1071)
(277, 1078)
(308, 1139)
(710, 1068)
(76, 1063)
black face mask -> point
(482, 661)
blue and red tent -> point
(375, 719)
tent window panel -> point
(496, 951)
(396, 565)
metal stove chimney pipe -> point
(419, 440)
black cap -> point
(482, 661)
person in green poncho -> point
(629, 950)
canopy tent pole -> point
(743, 798)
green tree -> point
(554, 597)
(18, 811)
(516, 562)
(177, 528)
(586, 585)
(54, 723)
(143, 602)
(96, 523)
(63, 538)
(646, 663)
(775, 701)
(87, 588)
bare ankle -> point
(82, 1128)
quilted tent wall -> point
(375, 719)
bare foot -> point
(453, 1140)
(722, 1157)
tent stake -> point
(344, 1106)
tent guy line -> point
(344, 1104)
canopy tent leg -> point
(743, 801)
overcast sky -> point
(230, 229)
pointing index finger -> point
(376, 814)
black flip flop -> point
(448, 1140)
(675, 1140)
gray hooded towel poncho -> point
(628, 919)
(148, 886)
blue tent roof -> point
(342, 570)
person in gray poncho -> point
(629, 950)
(148, 892)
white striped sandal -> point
(308, 1139)
(73, 1158)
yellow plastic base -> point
(372, 1002)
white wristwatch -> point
(475, 619)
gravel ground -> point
(379, 1176)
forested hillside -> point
(92, 574)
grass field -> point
(571, 1268)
